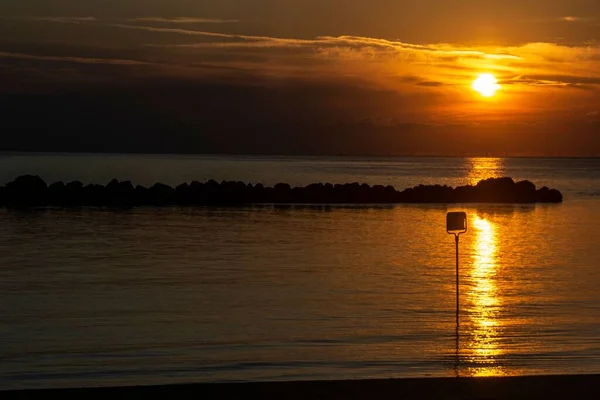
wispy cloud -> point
(82, 60)
(65, 20)
(255, 41)
(430, 84)
(251, 41)
(273, 41)
(546, 64)
(438, 66)
(566, 19)
(185, 20)
(570, 18)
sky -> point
(378, 77)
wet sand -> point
(533, 387)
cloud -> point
(553, 80)
(175, 20)
(573, 19)
(185, 20)
(430, 84)
(346, 42)
(62, 20)
(566, 19)
(192, 32)
(446, 70)
(212, 80)
(257, 41)
(376, 59)
(82, 60)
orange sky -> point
(416, 62)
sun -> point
(486, 85)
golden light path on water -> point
(483, 168)
(484, 300)
(483, 347)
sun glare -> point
(486, 85)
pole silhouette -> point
(457, 284)
(456, 224)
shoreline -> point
(516, 387)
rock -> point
(525, 192)
(161, 195)
(140, 194)
(464, 194)
(120, 194)
(554, 196)
(74, 194)
(95, 196)
(74, 186)
(26, 191)
(183, 194)
(546, 195)
(112, 185)
(57, 186)
(31, 183)
(495, 190)
(183, 188)
(57, 194)
(126, 186)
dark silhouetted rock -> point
(57, 187)
(57, 194)
(74, 186)
(120, 194)
(74, 194)
(495, 190)
(95, 196)
(28, 183)
(546, 195)
(161, 195)
(554, 196)
(112, 185)
(283, 194)
(463, 194)
(525, 192)
(27, 191)
(140, 194)
(183, 194)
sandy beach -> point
(526, 387)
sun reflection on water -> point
(482, 349)
(483, 168)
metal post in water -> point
(457, 283)
(456, 224)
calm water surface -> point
(96, 297)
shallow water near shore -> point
(94, 297)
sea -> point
(100, 297)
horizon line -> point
(283, 155)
